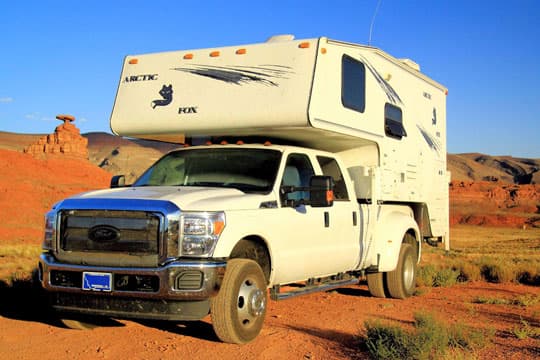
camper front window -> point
(353, 84)
(248, 170)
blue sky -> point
(66, 56)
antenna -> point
(373, 21)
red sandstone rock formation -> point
(494, 204)
(66, 140)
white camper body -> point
(318, 93)
(331, 165)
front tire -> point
(239, 309)
(401, 282)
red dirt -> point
(317, 326)
(30, 186)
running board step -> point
(276, 294)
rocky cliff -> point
(66, 140)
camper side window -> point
(393, 122)
(353, 84)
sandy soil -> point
(317, 326)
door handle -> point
(326, 219)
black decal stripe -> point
(432, 143)
(238, 75)
(392, 95)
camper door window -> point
(353, 84)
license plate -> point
(93, 281)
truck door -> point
(344, 240)
(319, 241)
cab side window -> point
(298, 172)
(331, 168)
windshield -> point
(249, 170)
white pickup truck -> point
(325, 162)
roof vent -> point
(278, 38)
(411, 64)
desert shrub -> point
(467, 338)
(445, 277)
(496, 271)
(430, 339)
(525, 331)
(491, 301)
(528, 274)
(385, 341)
(526, 300)
(430, 276)
(468, 271)
(425, 275)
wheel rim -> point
(251, 303)
(408, 272)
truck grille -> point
(131, 232)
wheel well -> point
(254, 248)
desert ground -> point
(494, 226)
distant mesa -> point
(65, 141)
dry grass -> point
(430, 339)
(17, 262)
(496, 255)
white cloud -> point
(38, 116)
(6, 99)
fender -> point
(393, 223)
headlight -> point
(200, 232)
(50, 231)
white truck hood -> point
(186, 198)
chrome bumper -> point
(170, 276)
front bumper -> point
(179, 290)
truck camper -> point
(303, 165)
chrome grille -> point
(133, 232)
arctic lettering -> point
(144, 77)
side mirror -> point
(321, 191)
(118, 181)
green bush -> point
(430, 339)
(446, 277)
(425, 275)
(525, 330)
(497, 272)
(430, 276)
(467, 271)
(386, 341)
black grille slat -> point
(135, 232)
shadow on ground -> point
(26, 300)
(196, 329)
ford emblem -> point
(103, 233)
